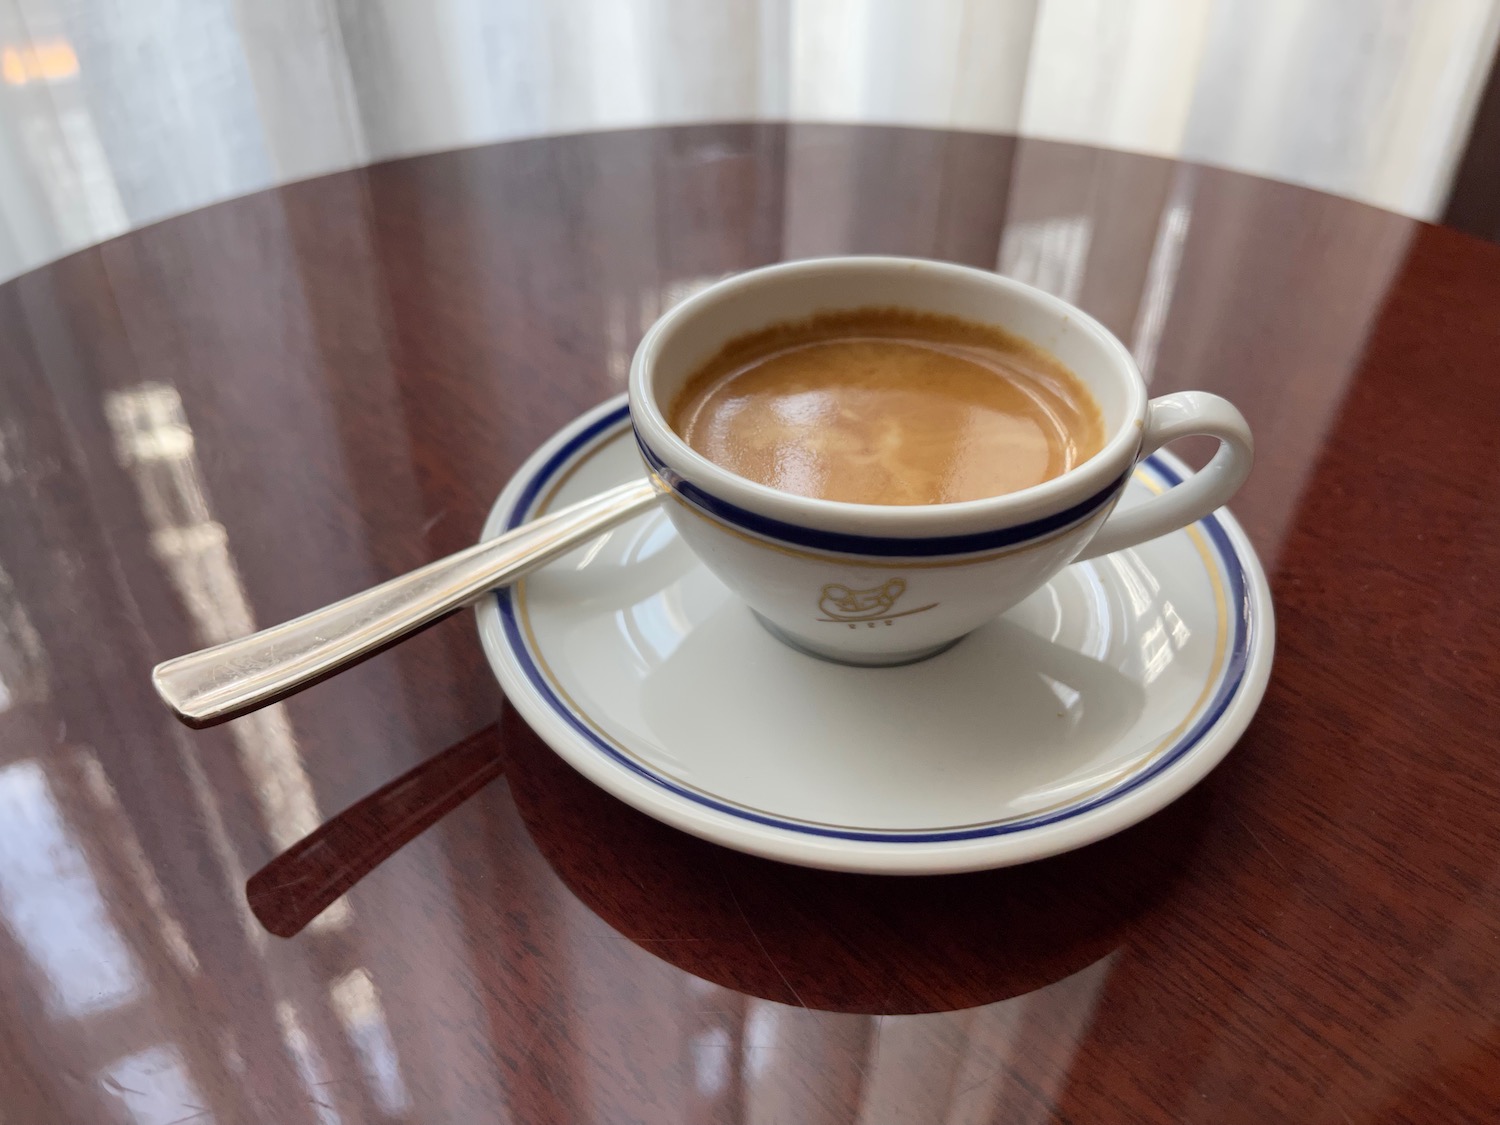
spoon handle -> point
(230, 679)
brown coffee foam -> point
(888, 406)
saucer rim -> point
(585, 443)
(893, 854)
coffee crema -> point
(888, 406)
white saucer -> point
(1091, 705)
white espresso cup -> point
(879, 584)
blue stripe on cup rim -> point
(1230, 682)
(875, 546)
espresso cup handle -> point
(1167, 419)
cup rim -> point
(898, 521)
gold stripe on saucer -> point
(541, 507)
(1117, 775)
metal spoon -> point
(228, 680)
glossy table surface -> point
(386, 900)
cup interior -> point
(683, 340)
(693, 332)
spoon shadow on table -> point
(853, 943)
(303, 881)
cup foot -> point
(856, 660)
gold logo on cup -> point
(870, 607)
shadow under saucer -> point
(872, 944)
(869, 944)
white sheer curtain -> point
(115, 115)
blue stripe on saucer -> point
(1241, 622)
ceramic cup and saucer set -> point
(878, 688)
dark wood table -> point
(237, 415)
